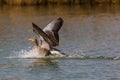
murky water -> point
(90, 35)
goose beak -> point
(30, 39)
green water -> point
(90, 36)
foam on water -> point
(32, 53)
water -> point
(90, 36)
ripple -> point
(7, 65)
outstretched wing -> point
(52, 30)
(50, 33)
(41, 34)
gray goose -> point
(48, 38)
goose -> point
(48, 38)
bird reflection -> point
(43, 62)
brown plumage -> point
(42, 51)
(50, 32)
(48, 38)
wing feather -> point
(52, 30)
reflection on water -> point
(56, 10)
(90, 31)
(42, 62)
(92, 28)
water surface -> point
(90, 34)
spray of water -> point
(32, 53)
(76, 53)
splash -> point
(25, 54)
(76, 54)
(32, 53)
